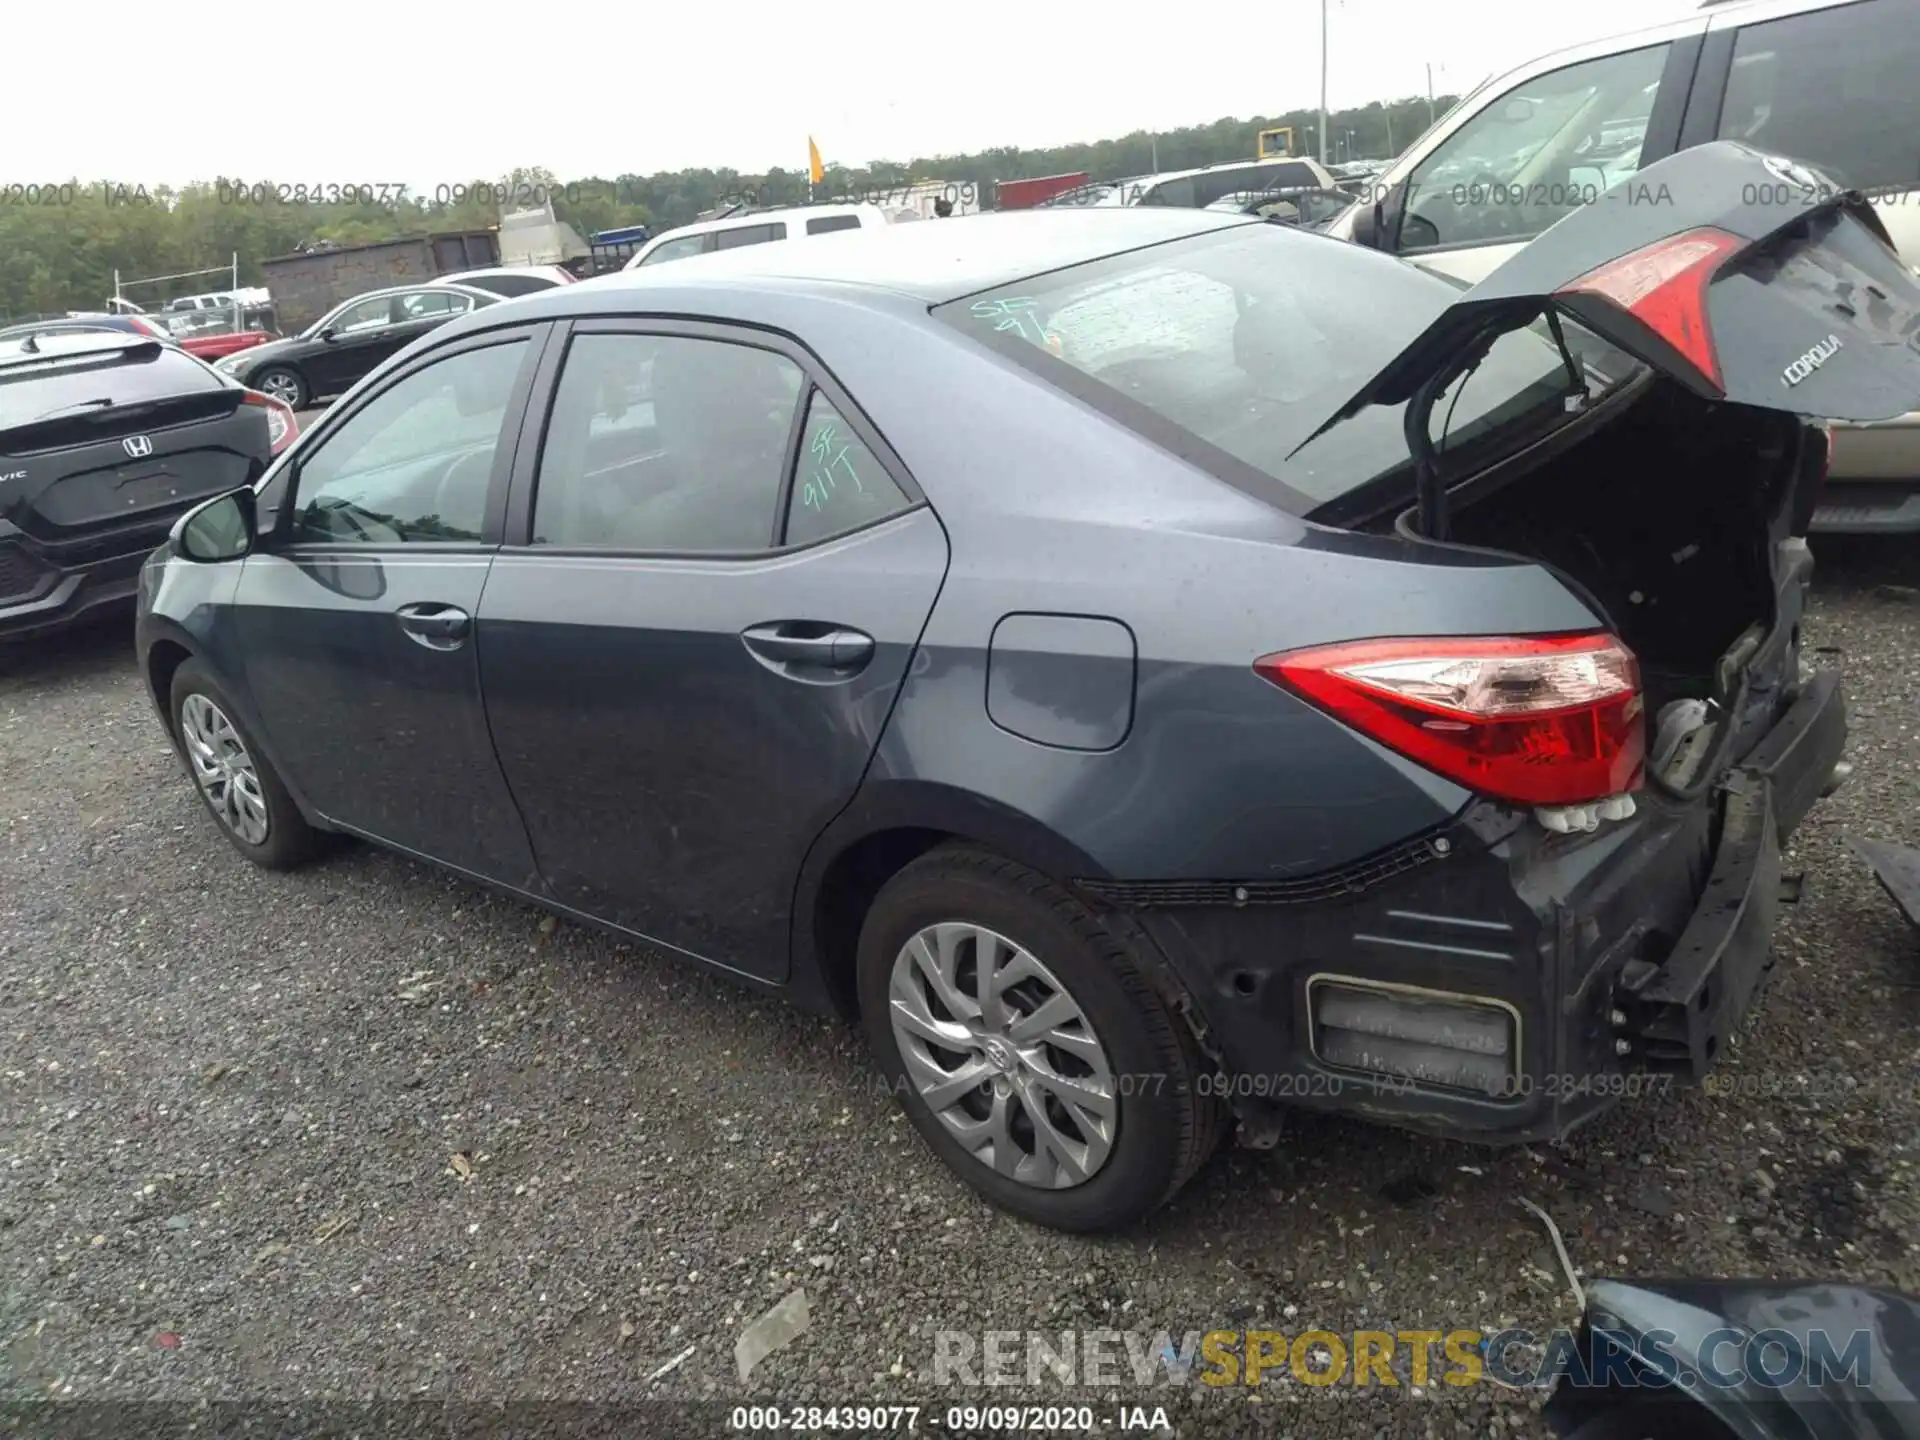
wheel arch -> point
(888, 826)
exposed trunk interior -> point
(1668, 516)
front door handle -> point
(438, 627)
(800, 646)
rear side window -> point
(511, 285)
(751, 235)
(1174, 192)
(840, 485)
(1834, 87)
(665, 443)
(678, 249)
(826, 224)
(30, 390)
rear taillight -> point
(1664, 287)
(1535, 720)
(281, 426)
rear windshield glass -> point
(35, 389)
(1231, 348)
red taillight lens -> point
(1664, 287)
(1535, 720)
(281, 425)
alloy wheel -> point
(281, 386)
(223, 769)
(1003, 1055)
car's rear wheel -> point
(235, 781)
(1028, 1045)
(286, 385)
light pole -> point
(1323, 82)
(1429, 95)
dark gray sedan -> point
(1156, 669)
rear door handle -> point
(810, 645)
(438, 627)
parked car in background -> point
(1197, 189)
(1153, 705)
(1308, 206)
(105, 438)
(757, 227)
(1826, 83)
(508, 281)
(350, 341)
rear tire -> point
(240, 788)
(284, 384)
(1109, 1044)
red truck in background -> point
(1025, 194)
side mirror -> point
(223, 528)
(327, 335)
(1516, 111)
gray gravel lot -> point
(232, 1103)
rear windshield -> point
(35, 389)
(1231, 348)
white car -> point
(757, 228)
(511, 280)
(1826, 83)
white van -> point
(1828, 82)
(757, 228)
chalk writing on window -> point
(828, 467)
(1017, 315)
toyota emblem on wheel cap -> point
(138, 446)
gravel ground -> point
(233, 1103)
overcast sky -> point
(386, 91)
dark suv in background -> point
(105, 438)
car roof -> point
(1166, 175)
(415, 289)
(935, 261)
(453, 279)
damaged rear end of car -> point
(1595, 921)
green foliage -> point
(60, 243)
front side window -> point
(1234, 347)
(665, 443)
(414, 464)
(1833, 87)
(1534, 154)
(827, 224)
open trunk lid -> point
(1746, 277)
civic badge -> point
(138, 446)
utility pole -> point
(1429, 95)
(1323, 82)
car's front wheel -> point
(1028, 1045)
(235, 781)
(284, 384)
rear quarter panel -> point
(1053, 509)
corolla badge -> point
(1810, 362)
(138, 446)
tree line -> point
(60, 242)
